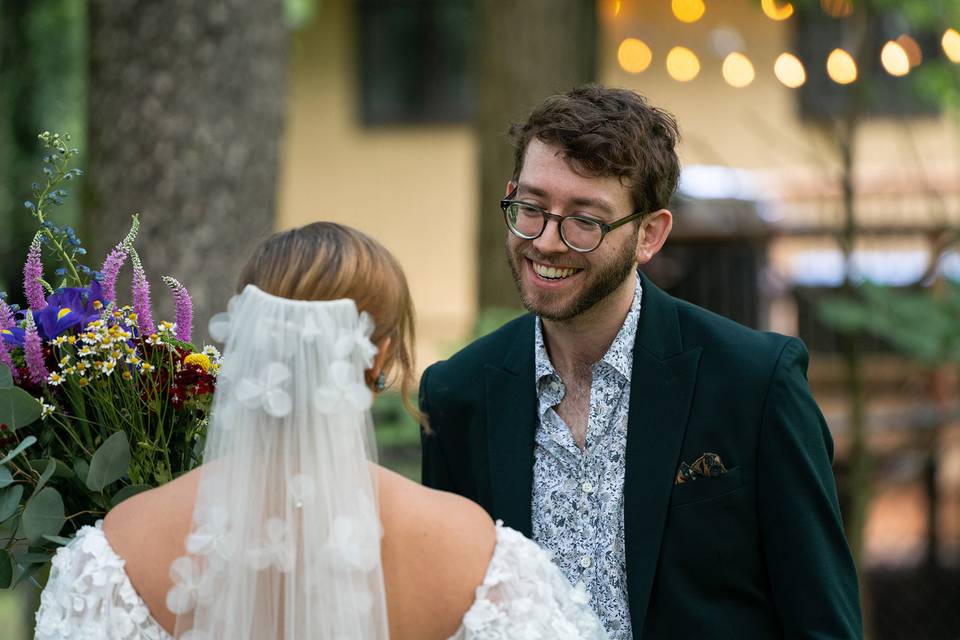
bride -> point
(290, 529)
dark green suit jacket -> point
(758, 552)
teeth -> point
(553, 273)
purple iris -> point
(13, 336)
(67, 308)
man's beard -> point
(605, 281)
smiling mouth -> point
(553, 273)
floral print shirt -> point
(577, 503)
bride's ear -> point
(383, 350)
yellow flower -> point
(55, 378)
(69, 371)
(82, 382)
(166, 327)
(198, 359)
(127, 375)
(64, 361)
(60, 340)
(72, 339)
(146, 367)
(97, 305)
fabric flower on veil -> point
(344, 391)
(191, 586)
(356, 341)
(268, 392)
(278, 550)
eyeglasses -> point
(580, 233)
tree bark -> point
(186, 116)
(528, 51)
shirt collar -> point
(619, 356)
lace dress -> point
(523, 596)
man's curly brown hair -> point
(603, 132)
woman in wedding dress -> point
(290, 529)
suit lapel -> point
(511, 404)
(661, 391)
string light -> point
(912, 49)
(789, 70)
(772, 11)
(738, 70)
(837, 8)
(951, 44)
(634, 55)
(682, 64)
(895, 59)
(688, 10)
(841, 67)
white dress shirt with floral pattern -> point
(578, 495)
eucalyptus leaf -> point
(10, 500)
(29, 440)
(18, 408)
(6, 478)
(128, 492)
(45, 476)
(6, 378)
(27, 574)
(31, 558)
(62, 471)
(110, 462)
(57, 539)
(43, 515)
(6, 569)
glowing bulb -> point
(634, 55)
(951, 44)
(774, 12)
(837, 8)
(688, 10)
(912, 48)
(841, 67)
(682, 64)
(738, 70)
(616, 8)
(895, 59)
(789, 70)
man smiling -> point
(674, 461)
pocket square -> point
(706, 466)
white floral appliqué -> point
(344, 391)
(278, 550)
(191, 586)
(356, 341)
(268, 392)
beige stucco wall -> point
(377, 179)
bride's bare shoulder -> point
(436, 549)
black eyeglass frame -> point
(605, 228)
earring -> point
(381, 383)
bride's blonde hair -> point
(329, 261)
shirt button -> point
(586, 561)
(587, 486)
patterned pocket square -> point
(706, 466)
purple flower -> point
(32, 274)
(111, 269)
(141, 299)
(6, 316)
(69, 307)
(184, 308)
(33, 354)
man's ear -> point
(511, 185)
(653, 233)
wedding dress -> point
(286, 534)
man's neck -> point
(582, 341)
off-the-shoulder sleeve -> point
(88, 595)
(525, 596)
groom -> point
(674, 461)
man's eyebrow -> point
(596, 203)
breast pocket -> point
(705, 488)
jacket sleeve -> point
(434, 469)
(811, 571)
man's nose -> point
(550, 241)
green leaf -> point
(58, 539)
(43, 515)
(62, 471)
(31, 558)
(6, 478)
(110, 462)
(6, 378)
(29, 440)
(10, 500)
(6, 569)
(128, 492)
(46, 475)
(18, 408)
(81, 469)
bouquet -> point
(97, 401)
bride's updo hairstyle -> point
(329, 261)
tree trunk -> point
(186, 117)
(528, 51)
